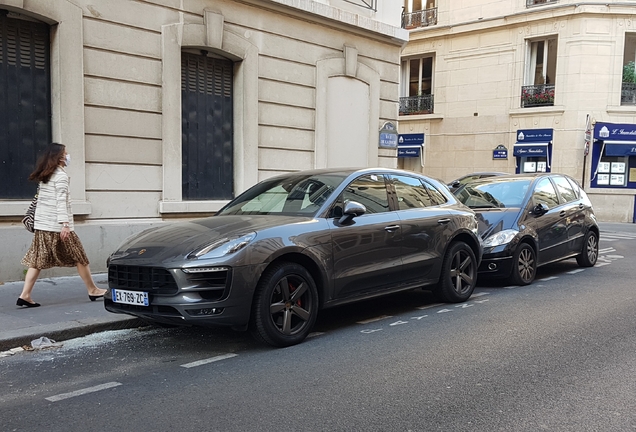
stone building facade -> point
(514, 85)
(169, 108)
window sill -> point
(621, 109)
(19, 208)
(173, 207)
(555, 109)
(416, 117)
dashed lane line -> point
(81, 392)
(208, 360)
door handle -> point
(443, 221)
(581, 206)
(392, 228)
(562, 214)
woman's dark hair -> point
(48, 163)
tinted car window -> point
(575, 187)
(438, 197)
(496, 193)
(544, 193)
(287, 195)
(370, 191)
(411, 193)
(565, 189)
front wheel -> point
(589, 254)
(524, 265)
(459, 273)
(285, 305)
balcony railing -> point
(412, 105)
(423, 18)
(539, 2)
(628, 94)
(537, 95)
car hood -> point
(492, 221)
(177, 240)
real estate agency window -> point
(612, 171)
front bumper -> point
(189, 300)
(496, 262)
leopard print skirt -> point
(48, 250)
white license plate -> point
(130, 297)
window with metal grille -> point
(25, 101)
(207, 127)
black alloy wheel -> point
(524, 265)
(589, 254)
(459, 273)
(285, 305)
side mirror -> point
(352, 209)
(540, 209)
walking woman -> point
(55, 243)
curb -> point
(63, 331)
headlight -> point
(502, 237)
(224, 246)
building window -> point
(538, 89)
(419, 13)
(25, 101)
(628, 87)
(530, 3)
(207, 127)
(417, 86)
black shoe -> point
(93, 298)
(22, 302)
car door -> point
(551, 227)
(366, 249)
(424, 225)
(576, 211)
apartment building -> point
(169, 108)
(523, 86)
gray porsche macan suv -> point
(294, 244)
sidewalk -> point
(67, 313)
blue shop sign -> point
(619, 138)
(532, 142)
(410, 145)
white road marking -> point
(621, 236)
(606, 250)
(430, 306)
(464, 305)
(94, 389)
(398, 323)
(314, 334)
(209, 360)
(479, 294)
(370, 320)
(576, 271)
(419, 317)
(370, 331)
(511, 287)
(549, 278)
(444, 311)
(602, 264)
(614, 256)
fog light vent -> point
(492, 266)
(205, 312)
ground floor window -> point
(533, 164)
(612, 171)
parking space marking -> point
(549, 278)
(87, 390)
(208, 360)
(430, 306)
(576, 271)
(370, 320)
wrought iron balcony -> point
(628, 94)
(539, 2)
(423, 18)
(537, 95)
(412, 105)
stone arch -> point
(336, 68)
(213, 36)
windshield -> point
(495, 194)
(292, 195)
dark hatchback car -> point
(296, 243)
(530, 220)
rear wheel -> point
(524, 265)
(285, 305)
(589, 254)
(459, 273)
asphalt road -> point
(557, 355)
